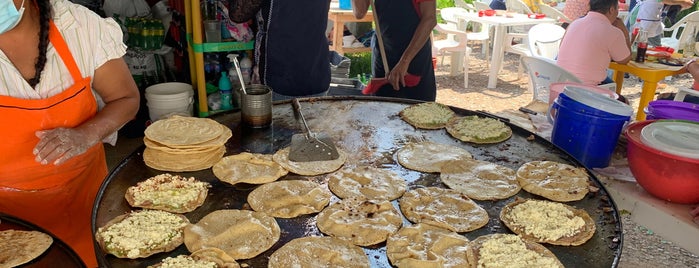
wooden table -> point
(339, 17)
(650, 77)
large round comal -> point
(666, 176)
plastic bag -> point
(126, 8)
(239, 31)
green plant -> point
(361, 63)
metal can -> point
(256, 106)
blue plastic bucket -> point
(565, 100)
(589, 138)
(345, 4)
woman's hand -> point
(60, 144)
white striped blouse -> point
(92, 40)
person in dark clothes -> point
(498, 4)
(405, 26)
(291, 49)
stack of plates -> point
(184, 143)
(680, 138)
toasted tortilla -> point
(140, 234)
(508, 250)
(553, 180)
(181, 131)
(318, 251)
(362, 222)
(289, 198)
(445, 208)
(429, 156)
(367, 182)
(480, 180)
(427, 115)
(168, 192)
(312, 168)
(249, 168)
(478, 130)
(540, 221)
(425, 245)
(242, 234)
(18, 247)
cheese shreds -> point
(547, 220)
(184, 261)
(478, 129)
(511, 251)
(427, 115)
(168, 192)
(142, 232)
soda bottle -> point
(641, 46)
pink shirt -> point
(588, 46)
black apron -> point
(294, 59)
(398, 20)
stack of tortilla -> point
(184, 143)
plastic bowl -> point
(667, 109)
(669, 177)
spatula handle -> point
(297, 113)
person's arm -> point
(428, 21)
(620, 25)
(243, 10)
(685, 4)
(692, 68)
(114, 83)
(360, 8)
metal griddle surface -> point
(371, 131)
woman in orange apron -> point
(52, 161)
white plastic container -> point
(246, 68)
(173, 98)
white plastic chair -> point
(554, 13)
(517, 6)
(543, 72)
(681, 31)
(480, 5)
(456, 41)
(523, 48)
(683, 92)
(464, 5)
(544, 40)
(453, 21)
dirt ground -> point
(642, 248)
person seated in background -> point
(498, 5)
(591, 42)
(534, 4)
(291, 49)
(651, 16)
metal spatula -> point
(310, 146)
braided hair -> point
(44, 18)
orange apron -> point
(57, 198)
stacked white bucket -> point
(168, 99)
